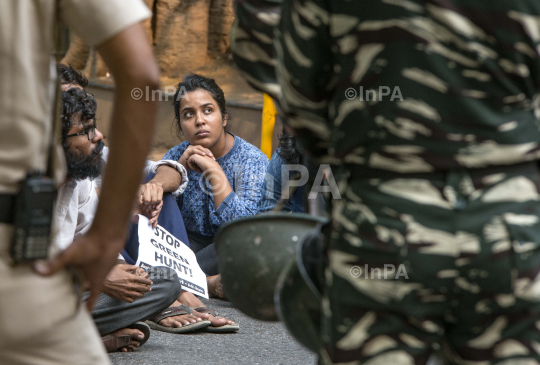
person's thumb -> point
(48, 268)
(94, 293)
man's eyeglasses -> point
(89, 131)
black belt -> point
(7, 208)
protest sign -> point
(157, 247)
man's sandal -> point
(176, 311)
(227, 328)
(144, 328)
(113, 342)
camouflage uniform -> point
(467, 245)
(252, 43)
(439, 177)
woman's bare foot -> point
(181, 320)
(192, 301)
(215, 287)
(136, 338)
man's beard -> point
(82, 167)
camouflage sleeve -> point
(252, 43)
(305, 59)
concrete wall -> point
(245, 121)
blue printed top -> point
(275, 180)
(244, 165)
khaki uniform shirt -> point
(30, 304)
(26, 72)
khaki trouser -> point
(39, 319)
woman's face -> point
(201, 120)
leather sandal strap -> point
(113, 342)
(206, 310)
(171, 312)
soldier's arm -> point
(129, 57)
(305, 65)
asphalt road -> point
(257, 343)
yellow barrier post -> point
(268, 122)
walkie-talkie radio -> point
(33, 219)
(34, 204)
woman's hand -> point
(199, 163)
(194, 150)
(214, 175)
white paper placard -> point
(157, 247)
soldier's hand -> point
(90, 256)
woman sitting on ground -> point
(225, 172)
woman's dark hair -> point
(75, 102)
(68, 75)
(193, 82)
(288, 148)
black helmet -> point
(253, 252)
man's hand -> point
(127, 283)
(150, 201)
(140, 272)
(151, 193)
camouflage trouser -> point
(465, 247)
